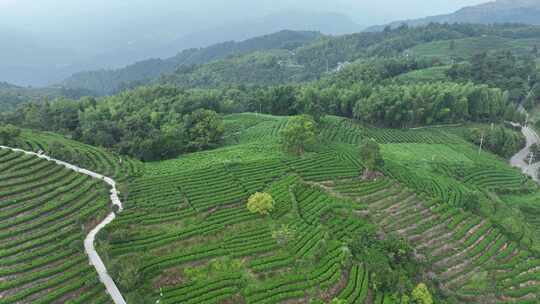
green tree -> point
(8, 134)
(261, 203)
(299, 133)
(311, 102)
(371, 156)
(204, 129)
(422, 295)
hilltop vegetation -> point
(303, 56)
(107, 82)
(12, 96)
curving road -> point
(93, 256)
(519, 160)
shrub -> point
(261, 203)
(422, 295)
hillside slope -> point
(189, 237)
(46, 211)
(11, 95)
(105, 82)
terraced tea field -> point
(46, 210)
(186, 235)
(470, 256)
(187, 229)
(89, 157)
(467, 47)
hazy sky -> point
(58, 15)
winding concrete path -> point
(93, 256)
(519, 159)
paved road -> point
(93, 256)
(518, 160)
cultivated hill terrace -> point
(186, 235)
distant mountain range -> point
(104, 82)
(500, 11)
(35, 60)
(326, 23)
(12, 95)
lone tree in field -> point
(370, 152)
(422, 295)
(8, 133)
(261, 203)
(299, 133)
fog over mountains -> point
(42, 43)
(29, 60)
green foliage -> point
(390, 261)
(498, 69)
(371, 156)
(128, 272)
(12, 96)
(215, 268)
(105, 82)
(422, 295)
(471, 200)
(8, 134)
(499, 140)
(299, 133)
(261, 203)
(426, 104)
(48, 209)
(204, 129)
(147, 123)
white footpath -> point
(520, 159)
(93, 256)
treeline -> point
(153, 123)
(499, 140)
(148, 123)
(426, 104)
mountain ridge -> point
(109, 81)
(499, 11)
